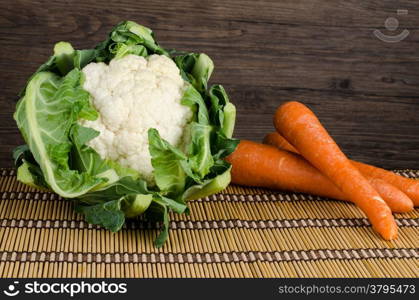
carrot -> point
(277, 140)
(409, 186)
(303, 130)
(266, 166)
(260, 165)
(398, 201)
(395, 198)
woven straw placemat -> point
(241, 232)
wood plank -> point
(365, 91)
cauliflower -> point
(125, 128)
(133, 94)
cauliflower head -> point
(125, 128)
(133, 94)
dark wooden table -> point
(322, 53)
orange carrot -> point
(277, 140)
(398, 201)
(260, 165)
(266, 166)
(407, 185)
(395, 198)
(303, 130)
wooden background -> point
(322, 53)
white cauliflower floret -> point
(133, 94)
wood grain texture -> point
(323, 53)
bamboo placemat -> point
(241, 232)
